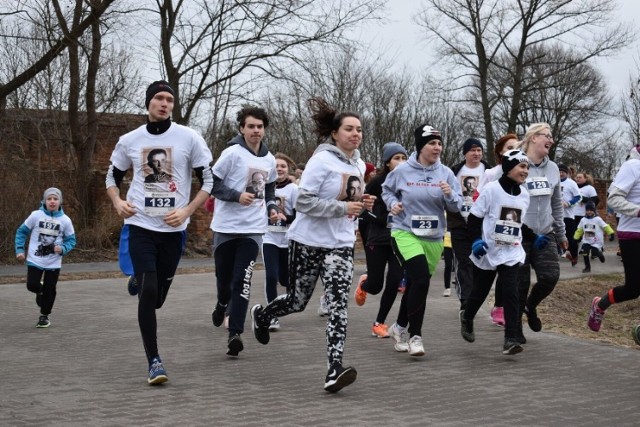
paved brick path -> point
(89, 368)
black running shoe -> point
(43, 322)
(260, 331)
(511, 347)
(132, 285)
(532, 319)
(466, 328)
(339, 377)
(235, 345)
(217, 315)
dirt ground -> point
(566, 310)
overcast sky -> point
(401, 38)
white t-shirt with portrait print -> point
(326, 176)
(183, 150)
(503, 216)
(237, 167)
(464, 174)
(277, 233)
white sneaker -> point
(275, 324)
(400, 336)
(415, 346)
(323, 310)
(447, 292)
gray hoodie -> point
(418, 188)
(545, 213)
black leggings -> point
(414, 299)
(482, 281)
(378, 257)
(45, 289)
(631, 289)
(276, 266)
(448, 266)
(155, 257)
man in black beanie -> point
(156, 211)
(469, 172)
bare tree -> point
(390, 105)
(205, 44)
(91, 14)
(630, 107)
(574, 101)
(474, 33)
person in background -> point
(275, 244)
(570, 198)
(377, 248)
(469, 173)
(591, 230)
(624, 197)
(51, 237)
(587, 192)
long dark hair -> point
(326, 118)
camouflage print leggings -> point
(306, 265)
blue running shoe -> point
(157, 374)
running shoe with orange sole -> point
(380, 330)
(361, 295)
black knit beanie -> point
(155, 87)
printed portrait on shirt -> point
(280, 203)
(469, 184)
(256, 182)
(352, 188)
(590, 231)
(511, 214)
(48, 232)
(157, 167)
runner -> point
(495, 224)
(469, 172)
(157, 212)
(52, 237)
(544, 216)
(244, 182)
(378, 251)
(624, 197)
(322, 236)
(591, 230)
(275, 245)
(417, 193)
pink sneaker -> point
(596, 315)
(497, 316)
